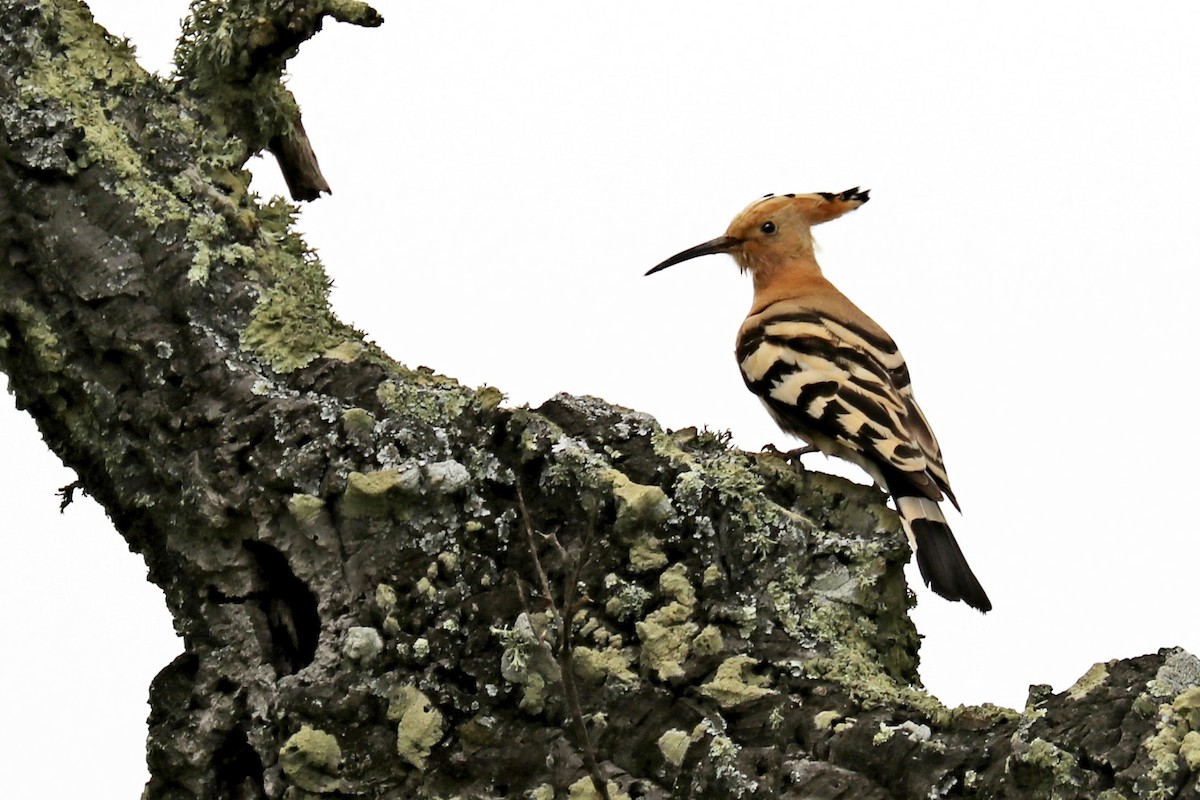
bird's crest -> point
(811, 209)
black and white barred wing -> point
(843, 389)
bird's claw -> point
(790, 456)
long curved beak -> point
(722, 244)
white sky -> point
(504, 173)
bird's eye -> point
(768, 227)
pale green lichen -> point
(358, 421)
(1061, 767)
(533, 696)
(812, 607)
(596, 665)
(708, 641)
(782, 599)
(585, 789)
(626, 600)
(489, 398)
(70, 80)
(425, 395)
(724, 751)
(527, 660)
(825, 719)
(292, 325)
(310, 760)
(368, 494)
(735, 684)
(386, 597)
(88, 58)
(1095, 676)
(674, 583)
(1186, 706)
(204, 228)
(665, 647)
(38, 335)
(639, 507)
(645, 554)
(666, 634)
(216, 59)
(714, 475)
(673, 745)
(347, 351)
(305, 508)
(448, 563)
(419, 724)
(575, 467)
(1176, 720)
(914, 731)
(856, 665)
(1189, 749)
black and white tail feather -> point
(943, 566)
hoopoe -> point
(830, 375)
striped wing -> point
(845, 390)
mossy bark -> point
(371, 566)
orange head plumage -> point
(773, 231)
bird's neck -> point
(795, 278)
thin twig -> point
(67, 494)
(537, 562)
(565, 643)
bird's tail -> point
(941, 561)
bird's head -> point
(774, 230)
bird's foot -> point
(791, 456)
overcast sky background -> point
(1032, 243)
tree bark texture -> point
(392, 585)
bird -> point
(831, 376)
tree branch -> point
(231, 60)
